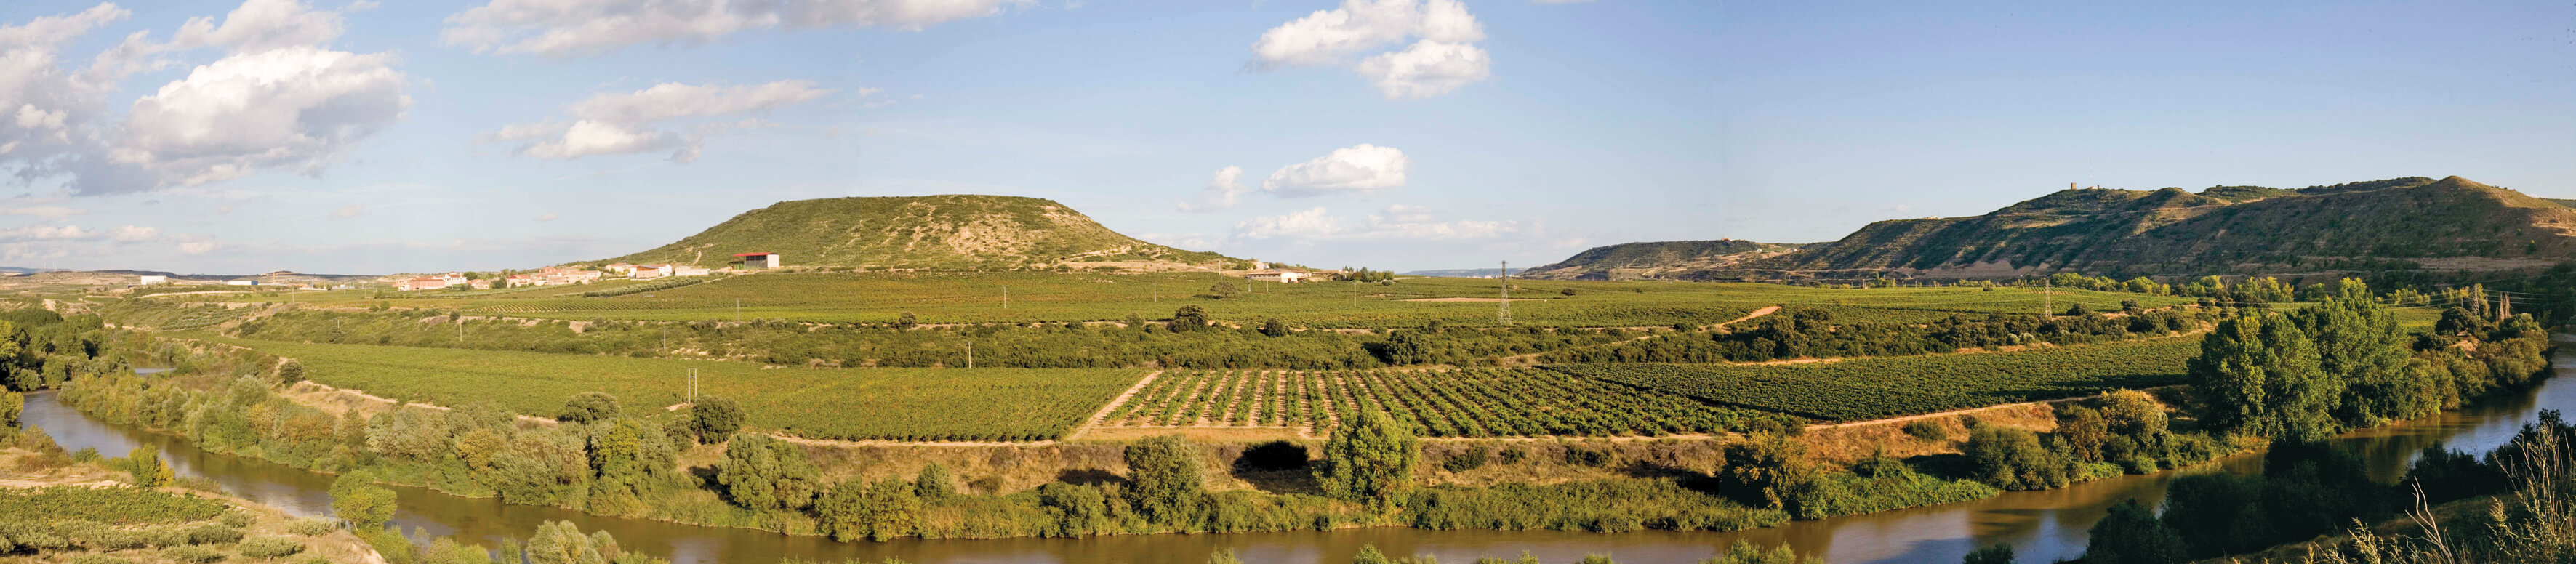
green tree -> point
(842, 512)
(12, 406)
(2132, 535)
(892, 510)
(934, 484)
(2303, 396)
(2232, 376)
(586, 407)
(715, 418)
(1273, 327)
(1999, 553)
(148, 469)
(289, 372)
(1189, 318)
(763, 473)
(906, 321)
(1370, 460)
(561, 542)
(2358, 342)
(357, 499)
(1166, 478)
(1225, 290)
(2083, 430)
(1406, 346)
(1223, 556)
(2012, 458)
(1745, 553)
(1765, 469)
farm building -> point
(1280, 276)
(646, 272)
(759, 261)
(150, 279)
(241, 282)
(421, 283)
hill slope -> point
(2452, 223)
(1656, 259)
(925, 232)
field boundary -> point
(1112, 406)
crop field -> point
(1011, 297)
(820, 403)
(114, 506)
(1875, 388)
(1447, 403)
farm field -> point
(1489, 402)
(1875, 388)
(964, 297)
(820, 403)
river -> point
(2043, 526)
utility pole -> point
(2046, 307)
(1355, 292)
(693, 385)
(1503, 314)
(737, 310)
(1006, 296)
(1158, 291)
(970, 355)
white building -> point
(241, 282)
(150, 279)
(1280, 276)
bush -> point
(1587, 456)
(1469, 459)
(214, 533)
(1512, 455)
(192, 554)
(1927, 430)
(311, 527)
(587, 407)
(238, 518)
(99, 559)
(271, 547)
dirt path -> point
(1103, 415)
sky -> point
(336, 136)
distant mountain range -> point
(2451, 224)
(949, 232)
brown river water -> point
(2043, 526)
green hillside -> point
(1654, 259)
(956, 231)
(2448, 224)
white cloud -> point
(1428, 68)
(1360, 168)
(1221, 192)
(276, 100)
(48, 212)
(133, 234)
(299, 108)
(609, 124)
(196, 244)
(1443, 58)
(579, 28)
(46, 233)
(546, 217)
(348, 211)
(1397, 222)
(260, 25)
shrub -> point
(271, 547)
(1588, 456)
(1512, 455)
(214, 533)
(192, 554)
(99, 559)
(311, 527)
(1927, 430)
(587, 407)
(238, 518)
(1469, 459)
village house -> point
(759, 261)
(645, 272)
(150, 279)
(1280, 276)
(421, 283)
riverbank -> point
(34, 467)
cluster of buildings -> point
(1293, 275)
(556, 275)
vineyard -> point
(1015, 297)
(1874, 388)
(114, 506)
(820, 403)
(1449, 403)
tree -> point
(1189, 318)
(1225, 290)
(2077, 310)
(714, 418)
(2132, 535)
(934, 484)
(842, 512)
(587, 407)
(12, 406)
(289, 372)
(892, 510)
(2133, 414)
(2012, 459)
(561, 542)
(1999, 553)
(1166, 478)
(1273, 327)
(906, 321)
(1370, 460)
(1568, 291)
(148, 469)
(2083, 430)
(763, 473)
(1406, 346)
(357, 499)
(1765, 469)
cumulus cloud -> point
(580, 28)
(133, 234)
(276, 100)
(1397, 222)
(1360, 168)
(610, 124)
(1221, 192)
(1443, 57)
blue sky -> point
(363, 137)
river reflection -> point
(2043, 526)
